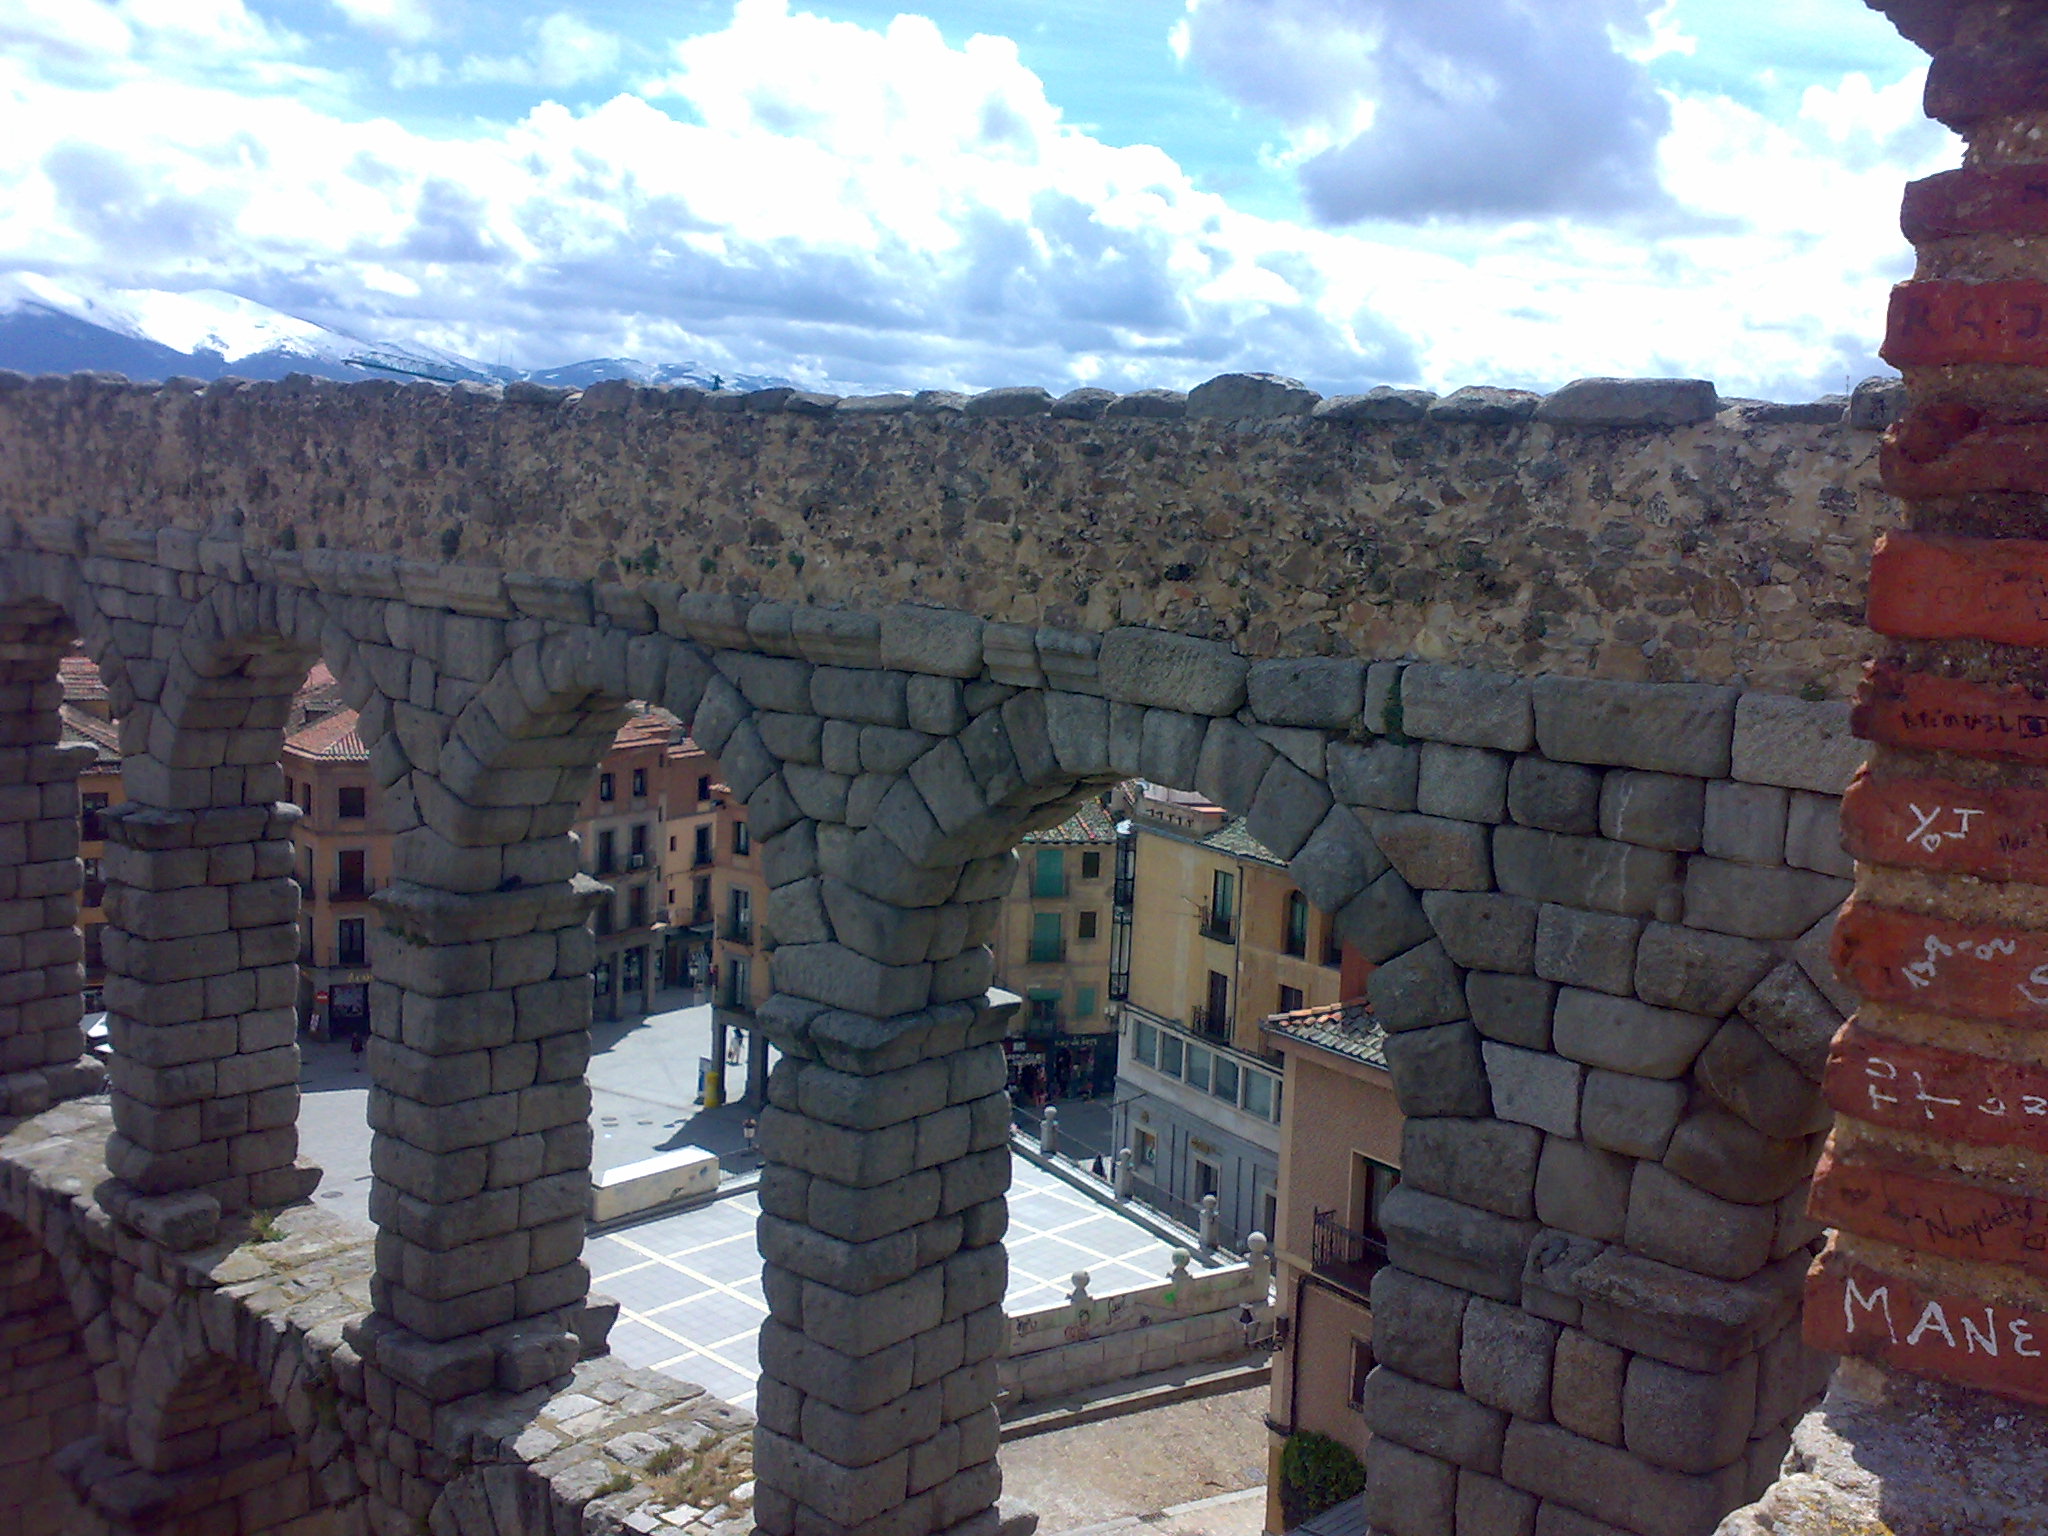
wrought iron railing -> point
(1220, 926)
(1345, 1254)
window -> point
(1170, 1051)
(1145, 1044)
(739, 982)
(1048, 874)
(351, 802)
(1290, 999)
(1258, 1094)
(1295, 941)
(351, 878)
(1269, 1212)
(349, 941)
(700, 899)
(1047, 947)
(1091, 865)
(671, 845)
(703, 787)
(1084, 925)
(95, 890)
(1208, 1178)
(700, 851)
(742, 840)
(1362, 1362)
(633, 972)
(92, 827)
(1045, 1012)
(639, 783)
(1084, 1002)
(1215, 1013)
(1223, 1079)
(636, 843)
(1371, 1183)
(739, 925)
(1333, 947)
(636, 907)
(1198, 1068)
(1218, 917)
(1144, 1149)
(607, 851)
(603, 919)
(607, 790)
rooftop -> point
(332, 739)
(651, 726)
(1346, 1028)
(104, 735)
(1089, 824)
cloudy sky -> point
(860, 194)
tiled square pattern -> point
(689, 1285)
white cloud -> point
(408, 21)
(881, 207)
(565, 52)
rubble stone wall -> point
(1717, 543)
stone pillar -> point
(885, 1158)
(481, 1139)
(201, 949)
(1939, 1265)
(40, 1041)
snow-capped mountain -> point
(51, 326)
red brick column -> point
(1933, 1178)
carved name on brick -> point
(2005, 200)
(1936, 1092)
(1935, 588)
(1852, 1309)
(1943, 967)
(1960, 1221)
(1949, 322)
(1917, 709)
(2000, 834)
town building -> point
(1340, 1155)
(695, 796)
(99, 786)
(342, 859)
(1220, 938)
(739, 953)
(1052, 948)
(623, 814)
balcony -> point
(351, 890)
(1210, 1024)
(1220, 926)
(1349, 1257)
(734, 1000)
(1047, 951)
(734, 931)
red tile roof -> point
(80, 675)
(333, 739)
(103, 734)
(653, 727)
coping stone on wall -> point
(1683, 728)
(1250, 397)
(1606, 402)
(1484, 405)
(1382, 403)
(1466, 706)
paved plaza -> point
(689, 1284)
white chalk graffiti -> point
(1882, 1074)
(1928, 836)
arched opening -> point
(46, 1385)
(227, 1458)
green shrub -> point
(1316, 1473)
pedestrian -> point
(1096, 1166)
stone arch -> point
(207, 1426)
(48, 1394)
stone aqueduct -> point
(1586, 829)
(1552, 872)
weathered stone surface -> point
(1437, 1422)
(1416, 1326)
(1581, 871)
(1582, 1189)
(1505, 1358)
(1161, 669)
(1727, 1156)
(1586, 949)
(1612, 1485)
(1689, 1421)
(1625, 1113)
(1419, 988)
(1745, 822)
(1469, 783)
(1795, 744)
(1623, 1035)
(1686, 729)
(1532, 1087)
(1407, 1492)
(1438, 1071)
(1384, 919)
(1483, 405)
(1556, 797)
(1485, 1163)
(1459, 1245)
(1469, 707)
(1434, 853)
(1491, 932)
(1813, 835)
(1380, 775)
(1512, 1009)
(1697, 971)
(1679, 1223)
(1790, 1013)
(1630, 403)
(1250, 397)
(1657, 810)
(1757, 903)
(1586, 1383)
(1762, 1087)
(1326, 692)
